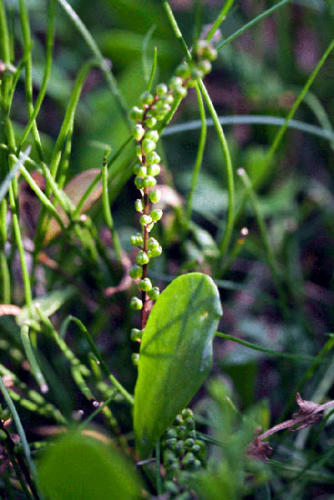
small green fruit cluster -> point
(147, 119)
(183, 452)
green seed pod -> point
(171, 442)
(161, 89)
(205, 66)
(154, 196)
(154, 293)
(181, 92)
(137, 240)
(139, 205)
(171, 487)
(140, 170)
(152, 157)
(145, 284)
(189, 443)
(136, 272)
(168, 99)
(135, 358)
(136, 303)
(153, 169)
(139, 182)
(151, 122)
(142, 258)
(183, 70)
(156, 252)
(138, 132)
(149, 181)
(152, 243)
(146, 98)
(148, 146)
(189, 459)
(136, 113)
(152, 135)
(175, 82)
(136, 335)
(145, 219)
(156, 214)
(171, 433)
(187, 412)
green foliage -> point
(175, 353)
(77, 466)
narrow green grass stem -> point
(251, 23)
(271, 352)
(81, 27)
(107, 212)
(47, 71)
(34, 366)
(199, 156)
(222, 15)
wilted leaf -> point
(79, 467)
(75, 189)
(175, 354)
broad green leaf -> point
(48, 304)
(175, 354)
(75, 189)
(79, 467)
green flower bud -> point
(149, 181)
(168, 99)
(161, 89)
(187, 412)
(171, 433)
(156, 252)
(148, 146)
(136, 272)
(151, 122)
(145, 284)
(195, 448)
(179, 447)
(192, 434)
(205, 50)
(138, 132)
(189, 459)
(156, 214)
(135, 358)
(162, 107)
(183, 70)
(136, 113)
(137, 240)
(146, 98)
(136, 303)
(145, 219)
(139, 205)
(170, 443)
(189, 443)
(152, 157)
(152, 135)
(175, 82)
(171, 487)
(181, 92)
(142, 258)
(139, 182)
(136, 335)
(154, 196)
(152, 243)
(140, 170)
(153, 169)
(138, 152)
(154, 293)
(205, 66)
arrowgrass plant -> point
(240, 218)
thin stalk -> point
(145, 62)
(251, 23)
(297, 103)
(224, 244)
(19, 428)
(225, 241)
(81, 27)
(127, 396)
(107, 212)
(221, 17)
(34, 366)
(47, 71)
(294, 357)
(199, 156)
(153, 70)
(27, 46)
